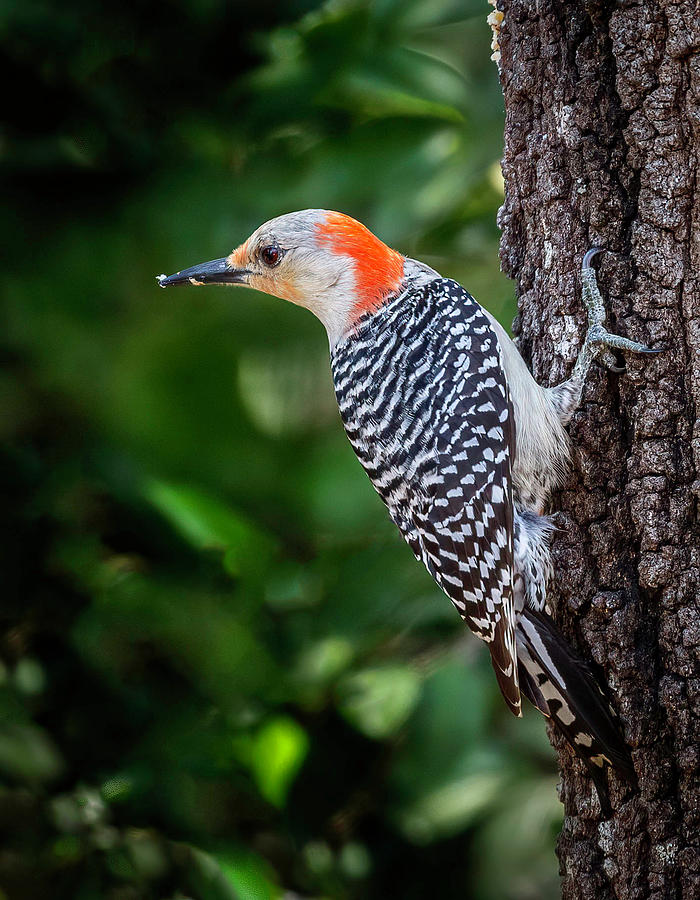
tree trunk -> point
(602, 143)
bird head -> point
(324, 261)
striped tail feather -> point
(563, 688)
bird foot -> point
(599, 340)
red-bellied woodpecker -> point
(460, 442)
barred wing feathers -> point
(423, 397)
(466, 519)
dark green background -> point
(224, 674)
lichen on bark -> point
(602, 145)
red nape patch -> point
(378, 268)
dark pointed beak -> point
(218, 271)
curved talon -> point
(594, 251)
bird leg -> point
(598, 345)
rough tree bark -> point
(602, 143)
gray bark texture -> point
(602, 141)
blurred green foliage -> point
(224, 674)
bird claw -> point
(594, 251)
(602, 341)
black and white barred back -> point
(423, 396)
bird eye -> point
(271, 255)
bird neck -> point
(377, 269)
(414, 275)
(381, 279)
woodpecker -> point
(458, 439)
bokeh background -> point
(224, 675)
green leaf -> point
(28, 753)
(378, 701)
(275, 755)
(449, 808)
(378, 101)
(250, 875)
(324, 660)
(206, 878)
(206, 523)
